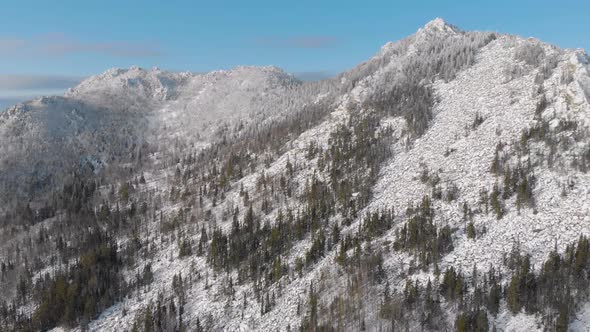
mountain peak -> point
(439, 25)
(436, 23)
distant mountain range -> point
(6, 102)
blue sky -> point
(46, 46)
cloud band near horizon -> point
(33, 82)
(59, 45)
(303, 42)
(22, 87)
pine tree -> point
(496, 203)
(563, 318)
(471, 230)
(513, 295)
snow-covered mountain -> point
(107, 119)
(442, 184)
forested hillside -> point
(440, 185)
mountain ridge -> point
(435, 26)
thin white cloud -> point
(12, 45)
(25, 87)
(59, 45)
(22, 95)
(298, 42)
(36, 82)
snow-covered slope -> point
(106, 118)
(493, 129)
